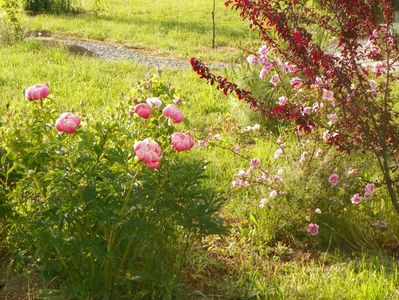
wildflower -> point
(313, 229)
(333, 179)
(356, 199)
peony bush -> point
(105, 205)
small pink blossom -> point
(182, 141)
(283, 100)
(217, 137)
(326, 135)
(353, 172)
(264, 50)
(255, 162)
(332, 119)
(373, 85)
(319, 152)
(303, 157)
(37, 92)
(202, 144)
(381, 224)
(252, 59)
(356, 199)
(143, 110)
(273, 194)
(296, 83)
(327, 94)
(67, 122)
(149, 152)
(155, 101)
(313, 229)
(275, 80)
(278, 153)
(263, 202)
(307, 110)
(333, 179)
(173, 113)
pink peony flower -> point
(255, 162)
(275, 80)
(333, 179)
(67, 122)
(149, 152)
(356, 199)
(313, 229)
(37, 92)
(283, 100)
(296, 82)
(252, 59)
(143, 110)
(155, 101)
(173, 113)
(182, 141)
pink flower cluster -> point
(67, 123)
(143, 110)
(37, 92)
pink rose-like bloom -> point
(313, 229)
(369, 190)
(283, 100)
(333, 179)
(327, 95)
(263, 73)
(252, 59)
(356, 199)
(155, 101)
(143, 110)
(173, 113)
(255, 162)
(275, 80)
(182, 141)
(37, 92)
(149, 152)
(67, 122)
(296, 83)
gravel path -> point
(108, 51)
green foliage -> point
(49, 6)
(10, 21)
(96, 221)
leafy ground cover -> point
(222, 268)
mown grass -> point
(176, 28)
(228, 268)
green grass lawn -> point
(175, 28)
(229, 269)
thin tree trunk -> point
(213, 24)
